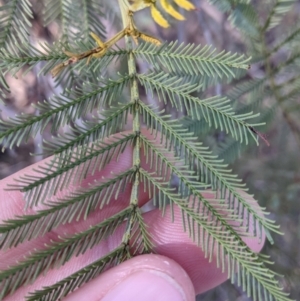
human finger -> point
(145, 277)
(168, 238)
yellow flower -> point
(136, 5)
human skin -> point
(178, 270)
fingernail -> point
(146, 285)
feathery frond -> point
(63, 145)
(16, 56)
(59, 253)
(67, 285)
(191, 59)
(60, 173)
(78, 205)
(287, 40)
(142, 243)
(4, 88)
(97, 103)
(279, 9)
(245, 18)
(60, 110)
(91, 19)
(58, 10)
(215, 110)
(15, 21)
(209, 169)
(231, 252)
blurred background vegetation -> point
(272, 172)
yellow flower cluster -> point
(136, 5)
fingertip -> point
(141, 278)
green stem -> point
(136, 125)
